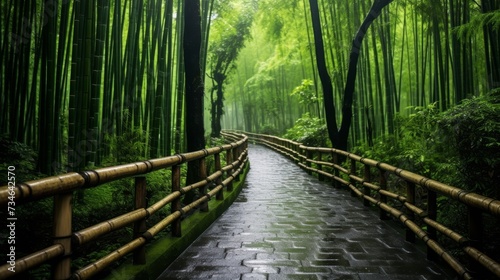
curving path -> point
(287, 225)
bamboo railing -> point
(418, 222)
(62, 187)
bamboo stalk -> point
(214, 176)
(324, 174)
(410, 196)
(176, 202)
(392, 195)
(194, 155)
(194, 186)
(166, 162)
(161, 203)
(229, 162)
(446, 231)
(414, 209)
(309, 155)
(32, 260)
(93, 232)
(170, 219)
(355, 179)
(484, 260)
(62, 234)
(366, 178)
(203, 174)
(352, 176)
(95, 267)
(218, 181)
(341, 169)
(432, 214)
(38, 189)
(371, 186)
(140, 225)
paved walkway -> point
(288, 225)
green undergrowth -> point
(310, 131)
(459, 147)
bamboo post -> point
(288, 148)
(229, 160)
(335, 159)
(432, 214)
(308, 163)
(62, 234)
(475, 225)
(296, 150)
(140, 226)
(475, 218)
(203, 175)
(352, 171)
(410, 198)
(383, 186)
(218, 181)
(236, 155)
(302, 158)
(367, 177)
(176, 203)
(321, 177)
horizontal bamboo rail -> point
(376, 193)
(61, 187)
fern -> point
(476, 24)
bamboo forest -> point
(90, 84)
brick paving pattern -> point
(288, 225)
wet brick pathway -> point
(288, 225)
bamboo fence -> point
(420, 221)
(62, 187)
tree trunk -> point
(179, 102)
(377, 6)
(217, 105)
(195, 131)
(331, 120)
(48, 113)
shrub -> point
(473, 130)
(309, 131)
(268, 129)
(418, 145)
(19, 155)
(459, 147)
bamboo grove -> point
(78, 76)
(415, 53)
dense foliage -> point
(90, 206)
(473, 129)
(460, 147)
(19, 155)
(310, 131)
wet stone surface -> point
(287, 225)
